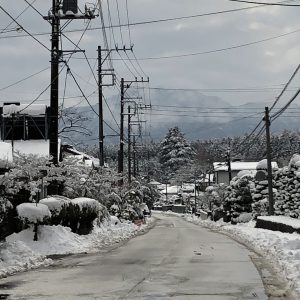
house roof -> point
(239, 165)
(33, 110)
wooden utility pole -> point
(54, 18)
(129, 145)
(55, 57)
(269, 161)
(100, 94)
(134, 157)
(229, 165)
(124, 86)
(121, 151)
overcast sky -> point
(266, 65)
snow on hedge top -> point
(246, 173)
(295, 223)
(54, 204)
(33, 212)
(33, 110)
(263, 165)
(87, 203)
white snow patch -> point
(54, 204)
(17, 257)
(33, 212)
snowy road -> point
(174, 260)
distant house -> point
(25, 128)
(87, 160)
(222, 174)
(205, 181)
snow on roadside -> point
(20, 252)
(282, 249)
(17, 257)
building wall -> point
(223, 176)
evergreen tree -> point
(174, 151)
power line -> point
(265, 3)
(31, 35)
(17, 17)
(128, 22)
(220, 49)
(21, 80)
(285, 87)
(155, 21)
(214, 50)
(244, 89)
(277, 114)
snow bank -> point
(33, 212)
(17, 257)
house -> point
(222, 174)
(72, 152)
(25, 128)
(205, 181)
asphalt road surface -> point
(174, 260)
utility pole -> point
(125, 85)
(129, 145)
(134, 157)
(269, 161)
(55, 57)
(229, 165)
(100, 94)
(101, 73)
(121, 151)
(60, 10)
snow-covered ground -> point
(20, 252)
(281, 249)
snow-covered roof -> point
(171, 190)
(239, 165)
(153, 182)
(32, 110)
(88, 160)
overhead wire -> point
(266, 3)
(24, 79)
(157, 20)
(18, 16)
(31, 35)
(285, 87)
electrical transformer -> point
(70, 5)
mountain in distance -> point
(197, 115)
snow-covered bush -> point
(89, 211)
(238, 198)
(7, 214)
(32, 213)
(287, 185)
